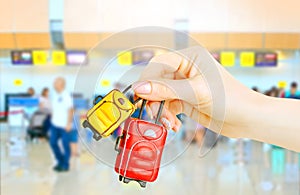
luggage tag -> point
(108, 113)
(140, 149)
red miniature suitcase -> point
(140, 149)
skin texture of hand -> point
(193, 82)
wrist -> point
(244, 113)
(255, 115)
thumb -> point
(166, 89)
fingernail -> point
(142, 88)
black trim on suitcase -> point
(97, 98)
(118, 144)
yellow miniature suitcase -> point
(106, 115)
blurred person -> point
(61, 124)
(293, 92)
(254, 88)
(31, 92)
(281, 91)
(274, 92)
(45, 106)
(44, 100)
(244, 108)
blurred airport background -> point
(258, 41)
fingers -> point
(161, 65)
(181, 62)
(175, 107)
(166, 89)
(168, 119)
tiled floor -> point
(232, 167)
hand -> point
(193, 82)
(68, 127)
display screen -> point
(265, 59)
(77, 58)
(142, 57)
(21, 57)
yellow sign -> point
(59, 58)
(105, 83)
(39, 57)
(247, 59)
(282, 84)
(125, 58)
(227, 58)
(18, 82)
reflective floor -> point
(231, 167)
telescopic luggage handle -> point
(159, 112)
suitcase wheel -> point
(85, 124)
(97, 137)
(120, 177)
(142, 183)
(126, 180)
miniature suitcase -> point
(140, 150)
(108, 114)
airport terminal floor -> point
(231, 167)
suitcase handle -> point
(161, 106)
(117, 145)
(126, 89)
(159, 112)
(97, 98)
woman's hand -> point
(194, 83)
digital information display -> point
(21, 57)
(142, 57)
(77, 58)
(264, 59)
